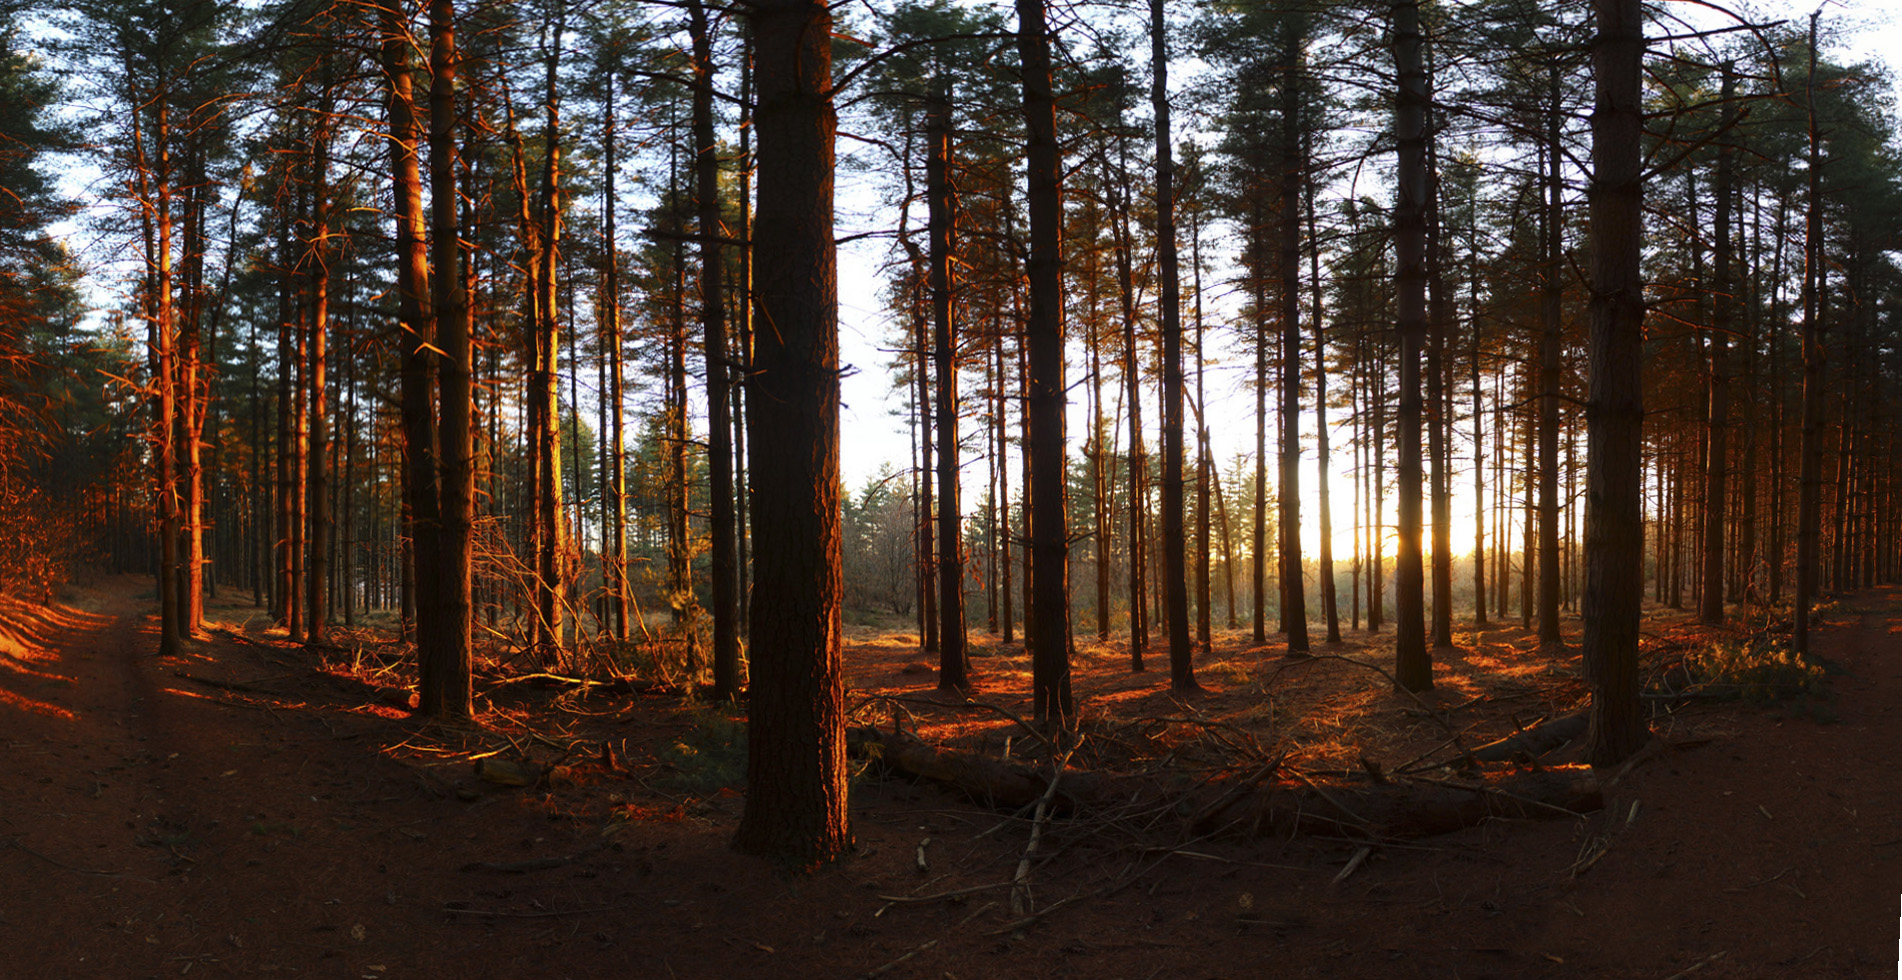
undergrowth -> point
(1762, 671)
(709, 756)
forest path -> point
(219, 813)
(242, 811)
(1773, 851)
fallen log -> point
(1542, 738)
(1250, 803)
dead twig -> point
(1699, 965)
(1020, 882)
(546, 914)
(1353, 864)
(887, 968)
(939, 896)
(1329, 797)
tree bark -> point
(1810, 450)
(1717, 412)
(1330, 599)
(722, 565)
(616, 456)
(1294, 604)
(942, 205)
(1614, 415)
(796, 770)
(1175, 597)
(1048, 624)
(317, 478)
(1551, 295)
(443, 652)
(1413, 664)
(1138, 500)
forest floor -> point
(253, 809)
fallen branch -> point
(1397, 809)
(1020, 882)
(1536, 741)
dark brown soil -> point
(256, 809)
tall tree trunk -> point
(742, 568)
(1258, 563)
(1102, 496)
(927, 484)
(1479, 460)
(1204, 461)
(1049, 626)
(616, 456)
(1005, 598)
(796, 770)
(1324, 462)
(1228, 544)
(296, 489)
(1717, 413)
(1614, 520)
(194, 399)
(724, 585)
(1294, 604)
(539, 215)
(1747, 556)
(1551, 295)
(942, 205)
(317, 492)
(1809, 487)
(1138, 501)
(1413, 664)
(1439, 427)
(1175, 578)
(443, 652)
(156, 180)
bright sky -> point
(873, 420)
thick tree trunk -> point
(1413, 664)
(164, 355)
(443, 651)
(796, 769)
(1614, 521)
(1048, 624)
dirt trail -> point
(236, 813)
